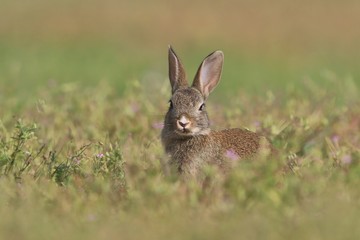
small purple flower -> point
(158, 125)
(346, 159)
(99, 155)
(335, 139)
(135, 107)
(76, 161)
(257, 124)
(230, 153)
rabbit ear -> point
(176, 72)
(209, 73)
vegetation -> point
(81, 115)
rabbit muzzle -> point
(183, 123)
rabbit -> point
(186, 136)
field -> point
(83, 93)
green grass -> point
(26, 68)
(84, 89)
(88, 163)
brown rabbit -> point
(186, 135)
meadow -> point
(83, 93)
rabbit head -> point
(187, 114)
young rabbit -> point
(186, 135)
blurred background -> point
(267, 44)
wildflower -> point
(100, 155)
(257, 124)
(135, 108)
(76, 161)
(158, 125)
(346, 159)
(335, 139)
(231, 154)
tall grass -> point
(86, 163)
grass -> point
(74, 164)
(32, 65)
(83, 93)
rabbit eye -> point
(170, 104)
(202, 107)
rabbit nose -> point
(183, 122)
